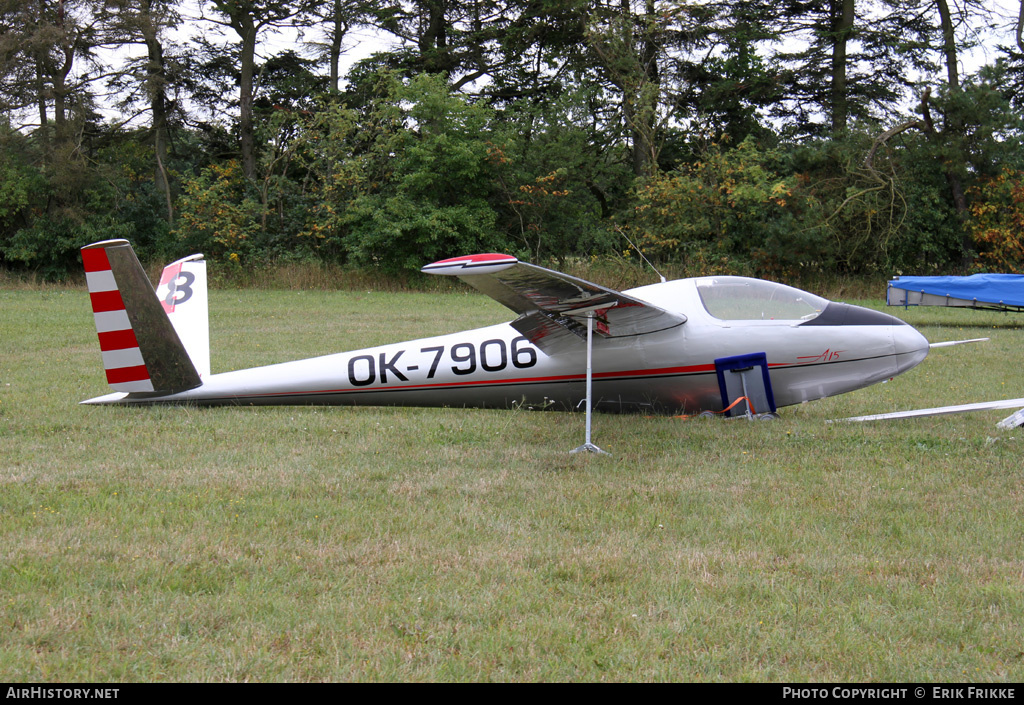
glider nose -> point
(910, 347)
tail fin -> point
(141, 350)
(182, 293)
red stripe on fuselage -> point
(666, 372)
(625, 374)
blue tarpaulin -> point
(995, 289)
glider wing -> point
(943, 410)
(551, 304)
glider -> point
(685, 346)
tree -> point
(628, 44)
(149, 79)
(459, 39)
(997, 220)
(44, 45)
(407, 178)
(842, 12)
(334, 19)
(248, 18)
(733, 210)
(854, 61)
(726, 83)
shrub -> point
(997, 222)
(729, 210)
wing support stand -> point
(587, 445)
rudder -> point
(183, 295)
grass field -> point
(184, 544)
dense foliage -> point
(766, 138)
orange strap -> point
(723, 411)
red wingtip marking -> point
(479, 259)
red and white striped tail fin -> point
(122, 358)
(141, 350)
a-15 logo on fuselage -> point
(492, 355)
(828, 356)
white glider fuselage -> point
(834, 349)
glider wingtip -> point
(487, 263)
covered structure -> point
(999, 292)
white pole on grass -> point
(587, 445)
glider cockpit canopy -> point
(743, 299)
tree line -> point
(777, 138)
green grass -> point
(142, 544)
